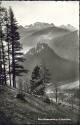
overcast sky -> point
(59, 13)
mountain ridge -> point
(51, 35)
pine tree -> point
(0, 60)
(11, 56)
(0, 67)
(16, 53)
(1, 82)
(35, 77)
(2, 46)
(46, 76)
(8, 43)
(56, 91)
(37, 86)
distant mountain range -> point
(63, 40)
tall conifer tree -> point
(16, 53)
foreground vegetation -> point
(31, 109)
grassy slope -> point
(30, 110)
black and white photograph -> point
(39, 63)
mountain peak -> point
(38, 48)
(69, 27)
(42, 24)
(39, 25)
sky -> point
(58, 13)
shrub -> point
(59, 103)
(47, 100)
(21, 96)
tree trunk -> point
(56, 96)
(9, 69)
(13, 67)
(9, 58)
(1, 82)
